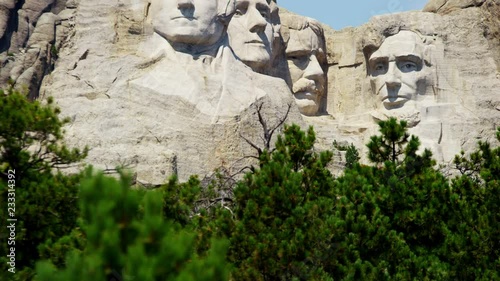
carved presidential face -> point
(187, 21)
(396, 70)
(306, 57)
(250, 33)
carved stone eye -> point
(299, 60)
(379, 67)
(407, 66)
(264, 14)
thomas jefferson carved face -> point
(396, 70)
(187, 21)
(250, 33)
(305, 53)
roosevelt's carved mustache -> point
(306, 85)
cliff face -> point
(159, 112)
(461, 103)
(31, 33)
(138, 103)
(490, 10)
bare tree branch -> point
(267, 132)
(282, 120)
(259, 150)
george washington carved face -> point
(187, 21)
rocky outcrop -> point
(490, 17)
(461, 103)
(140, 104)
(448, 6)
(6, 6)
(158, 115)
(30, 40)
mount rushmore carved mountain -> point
(167, 86)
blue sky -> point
(340, 13)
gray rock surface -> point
(461, 102)
(28, 47)
(137, 103)
(448, 6)
(5, 9)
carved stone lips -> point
(396, 99)
(306, 95)
(258, 42)
(305, 86)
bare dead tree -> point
(218, 187)
(267, 131)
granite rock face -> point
(458, 106)
(490, 10)
(159, 101)
(28, 45)
(5, 10)
(448, 6)
(140, 103)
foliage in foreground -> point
(31, 148)
(128, 238)
(397, 220)
(283, 225)
(289, 219)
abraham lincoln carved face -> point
(397, 70)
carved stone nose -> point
(393, 76)
(256, 22)
(185, 4)
(313, 70)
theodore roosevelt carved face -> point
(397, 70)
(193, 22)
(306, 56)
(250, 33)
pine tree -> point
(393, 215)
(474, 244)
(31, 150)
(282, 229)
(128, 238)
(31, 136)
(351, 153)
(388, 146)
(351, 156)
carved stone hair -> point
(375, 38)
(296, 22)
(225, 10)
